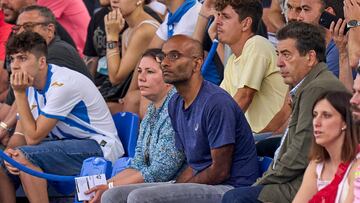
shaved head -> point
(183, 58)
(187, 45)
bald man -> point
(210, 129)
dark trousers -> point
(243, 195)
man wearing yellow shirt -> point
(251, 75)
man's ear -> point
(312, 58)
(52, 28)
(198, 64)
(246, 24)
(42, 62)
(330, 10)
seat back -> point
(120, 165)
(264, 163)
(127, 126)
(95, 166)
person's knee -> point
(112, 196)
(21, 158)
(138, 196)
(231, 196)
(242, 195)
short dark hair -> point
(308, 37)
(27, 42)
(336, 5)
(43, 11)
(244, 8)
(340, 100)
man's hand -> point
(185, 176)
(3, 133)
(4, 136)
(20, 81)
(99, 190)
(337, 33)
(208, 8)
(351, 9)
(11, 153)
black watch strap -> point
(111, 44)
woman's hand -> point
(114, 23)
(99, 190)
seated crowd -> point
(217, 84)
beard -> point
(11, 19)
(356, 118)
(175, 81)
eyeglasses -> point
(28, 26)
(172, 56)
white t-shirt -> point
(157, 7)
(185, 26)
(81, 111)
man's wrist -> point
(357, 28)
(204, 16)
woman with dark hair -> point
(329, 176)
(156, 158)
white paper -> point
(85, 183)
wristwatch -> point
(111, 44)
(353, 23)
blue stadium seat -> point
(264, 163)
(95, 166)
(127, 126)
(120, 165)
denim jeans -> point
(243, 195)
(60, 157)
(166, 192)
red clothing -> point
(5, 30)
(73, 16)
(328, 193)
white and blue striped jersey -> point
(81, 111)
